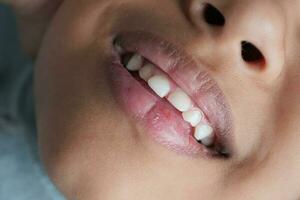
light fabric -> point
(22, 176)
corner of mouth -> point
(181, 68)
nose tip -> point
(252, 32)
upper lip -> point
(188, 74)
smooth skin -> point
(92, 149)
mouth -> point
(170, 96)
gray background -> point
(22, 177)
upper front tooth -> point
(160, 85)
(135, 63)
(146, 71)
(193, 116)
(180, 100)
(203, 132)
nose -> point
(248, 33)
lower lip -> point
(155, 116)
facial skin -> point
(94, 150)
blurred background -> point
(22, 176)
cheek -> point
(71, 78)
(72, 93)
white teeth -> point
(180, 100)
(208, 141)
(193, 116)
(135, 63)
(146, 71)
(203, 132)
(160, 85)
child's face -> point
(105, 134)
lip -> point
(190, 75)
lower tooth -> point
(135, 63)
(208, 141)
(203, 132)
(193, 117)
(146, 71)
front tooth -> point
(193, 117)
(160, 85)
(180, 100)
(135, 63)
(203, 132)
(146, 71)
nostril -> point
(251, 54)
(213, 16)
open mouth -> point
(155, 80)
(152, 88)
